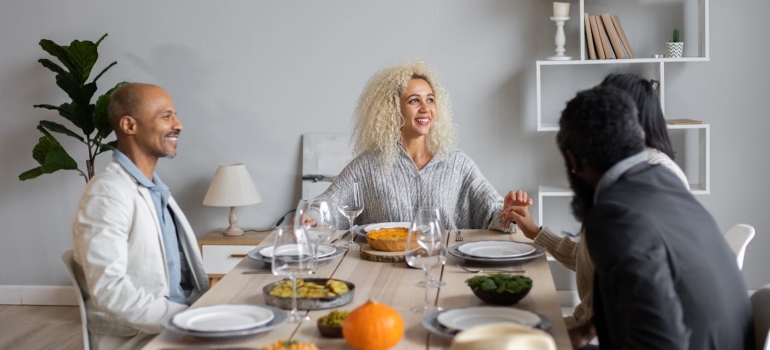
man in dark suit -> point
(665, 277)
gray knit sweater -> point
(452, 182)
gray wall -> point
(249, 77)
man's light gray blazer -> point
(118, 246)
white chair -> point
(69, 263)
(738, 237)
(760, 301)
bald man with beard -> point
(665, 277)
(135, 252)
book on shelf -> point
(623, 37)
(612, 34)
(597, 38)
(605, 40)
(683, 121)
(589, 37)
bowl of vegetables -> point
(312, 293)
(500, 288)
(331, 324)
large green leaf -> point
(51, 156)
(56, 127)
(61, 53)
(80, 93)
(65, 109)
(83, 55)
(80, 116)
(58, 159)
(31, 174)
(52, 66)
(84, 114)
(47, 106)
(88, 93)
(40, 150)
(44, 145)
(69, 84)
(101, 118)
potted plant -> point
(78, 58)
(675, 47)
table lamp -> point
(232, 187)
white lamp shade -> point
(231, 187)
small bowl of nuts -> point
(331, 324)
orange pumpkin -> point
(373, 326)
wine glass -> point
(320, 223)
(351, 205)
(425, 249)
(432, 282)
(293, 258)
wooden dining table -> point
(389, 283)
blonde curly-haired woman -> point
(404, 142)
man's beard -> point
(583, 200)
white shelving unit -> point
(702, 185)
(549, 191)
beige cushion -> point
(503, 336)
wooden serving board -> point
(371, 254)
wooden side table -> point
(221, 253)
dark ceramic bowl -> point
(505, 298)
(329, 331)
(309, 303)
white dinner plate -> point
(373, 227)
(222, 318)
(323, 251)
(539, 251)
(496, 249)
(256, 256)
(279, 317)
(430, 323)
(462, 319)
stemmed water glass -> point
(432, 282)
(293, 258)
(425, 249)
(320, 223)
(351, 205)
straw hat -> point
(503, 336)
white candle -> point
(561, 9)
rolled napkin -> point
(502, 336)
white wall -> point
(249, 77)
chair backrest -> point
(738, 237)
(325, 155)
(760, 301)
(69, 263)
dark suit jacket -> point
(665, 276)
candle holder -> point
(560, 40)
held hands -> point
(518, 198)
(516, 210)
